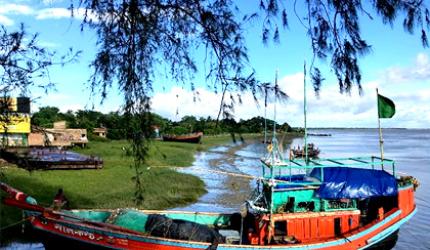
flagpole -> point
(381, 141)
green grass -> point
(112, 186)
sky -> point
(398, 66)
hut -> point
(102, 132)
(58, 136)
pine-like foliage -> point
(137, 37)
(333, 27)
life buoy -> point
(269, 148)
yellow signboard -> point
(15, 123)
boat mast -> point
(274, 157)
(304, 112)
(265, 114)
(274, 114)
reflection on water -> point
(410, 149)
(26, 245)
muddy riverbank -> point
(223, 169)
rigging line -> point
(251, 177)
(14, 224)
(224, 172)
(213, 171)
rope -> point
(229, 173)
(14, 224)
(212, 171)
(251, 177)
(221, 172)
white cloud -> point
(80, 13)
(182, 101)
(44, 13)
(16, 9)
(331, 109)
(53, 13)
(59, 13)
(419, 72)
(65, 100)
(4, 20)
(51, 2)
(8, 9)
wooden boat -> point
(191, 138)
(313, 151)
(349, 203)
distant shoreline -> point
(375, 128)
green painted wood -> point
(97, 216)
(131, 219)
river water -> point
(409, 147)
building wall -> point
(67, 137)
(36, 139)
(14, 140)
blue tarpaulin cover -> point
(348, 183)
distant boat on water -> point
(298, 152)
(318, 134)
(190, 138)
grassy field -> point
(112, 186)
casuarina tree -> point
(136, 37)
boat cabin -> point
(305, 201)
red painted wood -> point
(308, 228)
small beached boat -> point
(349, 203)
(313, 151)
(191, 138)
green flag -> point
(386, 107)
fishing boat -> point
(348, 203)
(191, 138)
(313, 151)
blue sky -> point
(398, 65)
